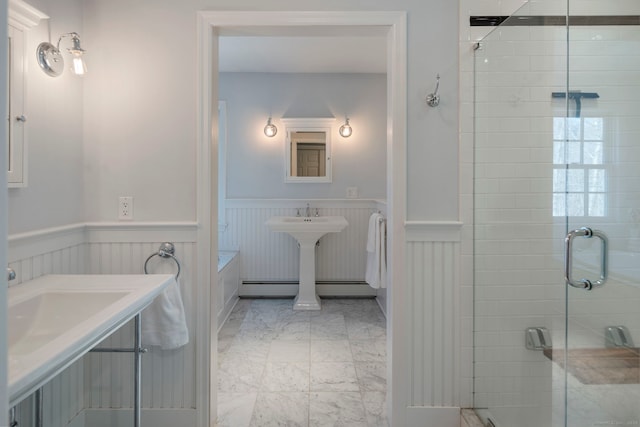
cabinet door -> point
(16, 154)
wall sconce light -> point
(270, 129)
(51, 61)
(345, 129)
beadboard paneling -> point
(433, 290)
(104, 381)
(168, 377)
(31, 255)
(267, 255)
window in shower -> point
(579, 174)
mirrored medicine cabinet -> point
(308, 150)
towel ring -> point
(167, 250)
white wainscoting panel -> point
(168, 377)
(31, 255)
(270, 256)
(105, 381)
(433, 282)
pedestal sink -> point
(307, 231)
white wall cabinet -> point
(22, 17)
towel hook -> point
(433, 99)
(167, 250)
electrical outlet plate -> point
(352, 192)
(125, 208)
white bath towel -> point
(376, 272)
(163, 321)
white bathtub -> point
(228, 284)
(224, 258)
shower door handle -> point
(568, 258)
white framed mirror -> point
(308, 150)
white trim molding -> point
(47, 240)
(23, 15)
(210, 24)
(299, 203)
(141, 232)
(434, 231)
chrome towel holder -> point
(166, 250)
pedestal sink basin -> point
(307, 231)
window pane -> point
(593, 128)
(596, 204)
(573, 128)
(575, 180)
(558, 152)
(574, 152)
(593, 152)
(559, 180)
(559, 204)
(575, 204)
(558, 128)
(596, 180)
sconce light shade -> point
(79, 66)
(51, 61)
(270, 129)
(345, 129)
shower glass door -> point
(597, 185)
(557, 150)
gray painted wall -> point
(54, 110)
(255, 163)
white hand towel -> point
(374, 219)
(376, 272)
(163, 321)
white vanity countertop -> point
(53, 320)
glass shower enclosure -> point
(557, 216)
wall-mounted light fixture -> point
(345, 129)
(51, 61)
(270, 129)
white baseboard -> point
(382, 307)
(422, 416)
(149, 417)
(226, 311)
(274, 290)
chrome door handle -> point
(568, 258)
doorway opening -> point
(211, 26)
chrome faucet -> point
(308, 211)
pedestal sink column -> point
(307, 231)
(307, 298)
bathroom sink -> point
(54, 320)
(37, 321)
(307, 231)
(308, 228)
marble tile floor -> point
(279, 367)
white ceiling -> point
(304, 50)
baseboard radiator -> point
(287, 289)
